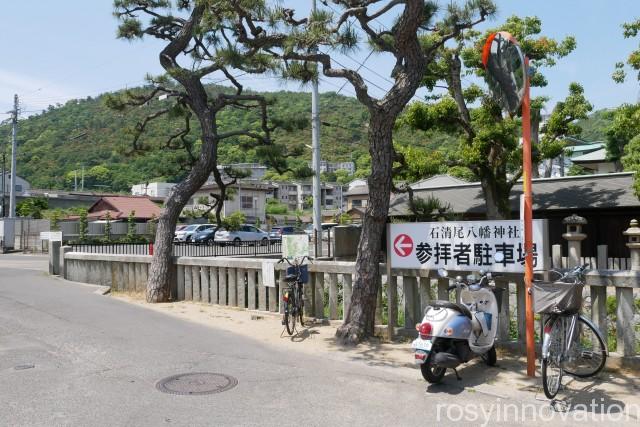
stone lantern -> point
(633, 233)
(625, 326)
(574, 236)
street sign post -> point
(508, 79)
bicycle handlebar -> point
(573, 273)
(296, 264)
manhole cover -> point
(197, 383)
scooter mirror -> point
(498, 257)
(442, 272)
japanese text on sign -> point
(465, 245)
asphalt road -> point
(92, 360)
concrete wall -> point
(125, 273)
(238, 282)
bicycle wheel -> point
(587, 353)
(552, 364)
(300, 300)
(290, 314)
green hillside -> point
(85, 132)
(595, 127)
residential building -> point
(22, 190)
(590, 155)
(595, 162)
(297, 195)
(22, 186)
(153, 189)
(119, 208)
(331, 167)
(357, 196)
(256, 170)
(287, 194)
(248, 197)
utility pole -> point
(75, 180)
(82, 180)
(4, 185)
(315, 156)
(14, 151)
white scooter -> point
(452, 333)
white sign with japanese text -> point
(52, 236)
(466, 245)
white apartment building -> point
(296, 195)
(326, 166)
(152, 189)
(249, 197)
(256, 170)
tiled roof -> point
(121, 206)
(581, 192)
(594, 156)
(437, 181)
(360, 190)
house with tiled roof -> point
(119, 208)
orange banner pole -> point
(528, 224)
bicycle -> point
(571, 343)
(292, 297)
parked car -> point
(186, 234)
(204, 237)
(276, 233)
(246, 233)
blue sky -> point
(53, 51)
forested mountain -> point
(595, 127)
(85, 132)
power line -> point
(362, 64)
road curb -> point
(100, 289)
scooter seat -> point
(453, 306)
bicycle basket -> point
(304, 272)
(556, 297)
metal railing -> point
(247, 248)
(112, 248)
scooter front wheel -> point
(432, 374)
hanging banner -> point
(466, 245)
(269, 274)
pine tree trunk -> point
(496, 200)
(159, 281)
(360, 318)
(158, 285)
